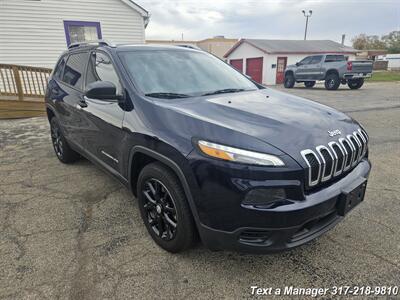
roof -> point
(294, 46)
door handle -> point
(82, 103)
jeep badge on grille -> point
(334, 132)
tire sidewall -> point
(289, 81)
(336, 82)
(355, 83)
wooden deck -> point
(22, 90)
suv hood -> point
(287, 122)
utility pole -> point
(307, 15)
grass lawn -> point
(385, 76)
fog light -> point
(263, 197)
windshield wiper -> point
(223, 91)
(167, 95)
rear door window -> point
(333, 58)
(75, 68)
(316, 59)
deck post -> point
(18, 83)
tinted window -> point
(74, 69)
(306, 60)
(101, 69)
(332, 58)
(59, 68)
(191, 73)
(316, 59)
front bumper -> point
(263, 230)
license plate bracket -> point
(351, 197)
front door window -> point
(79, 31)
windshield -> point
(179, 74)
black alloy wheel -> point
(57, 141)
(164, 208)
(63, 151)
(160, 208)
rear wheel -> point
(355, 83)
(289, 81)
(164, 208)
(332, 81)
(63, 151)
(309, 84)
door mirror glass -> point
(298, 64)
(102, 90)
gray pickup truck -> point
(334, 69)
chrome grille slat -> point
(324, 163)
(339, 156)
(304, 153)
(337, 170)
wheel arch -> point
(287, 72)
(50, 112)
(140, 156)
(331, 71)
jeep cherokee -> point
(207, 152)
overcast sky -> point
(280, 19)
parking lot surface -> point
(73, 232)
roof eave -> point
(144, 13)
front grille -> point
(340, 156)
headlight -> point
(239, 155)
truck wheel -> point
(164, 208)
(309, 84)
(63, 151)
(332, 81)
(289, 81)
(355, 84)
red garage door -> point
(254, 68)
(237, 64)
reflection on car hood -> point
(288, 122)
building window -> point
(79, 31)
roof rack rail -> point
(88, 43)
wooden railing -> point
(23, 81)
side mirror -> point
(102, 90)
(298, 64)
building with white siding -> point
(35, 32)
(266, 60)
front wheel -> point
(289, 81)
(332, 82)
(164, 208)
(355, 84)
(309, 84)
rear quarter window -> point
(59, 68)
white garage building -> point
(266, 60)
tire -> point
(332, 81)
(162, 203)
(289, 81)
(309, 84)
(63, 151)
(355, 84)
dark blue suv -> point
(207, 152)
